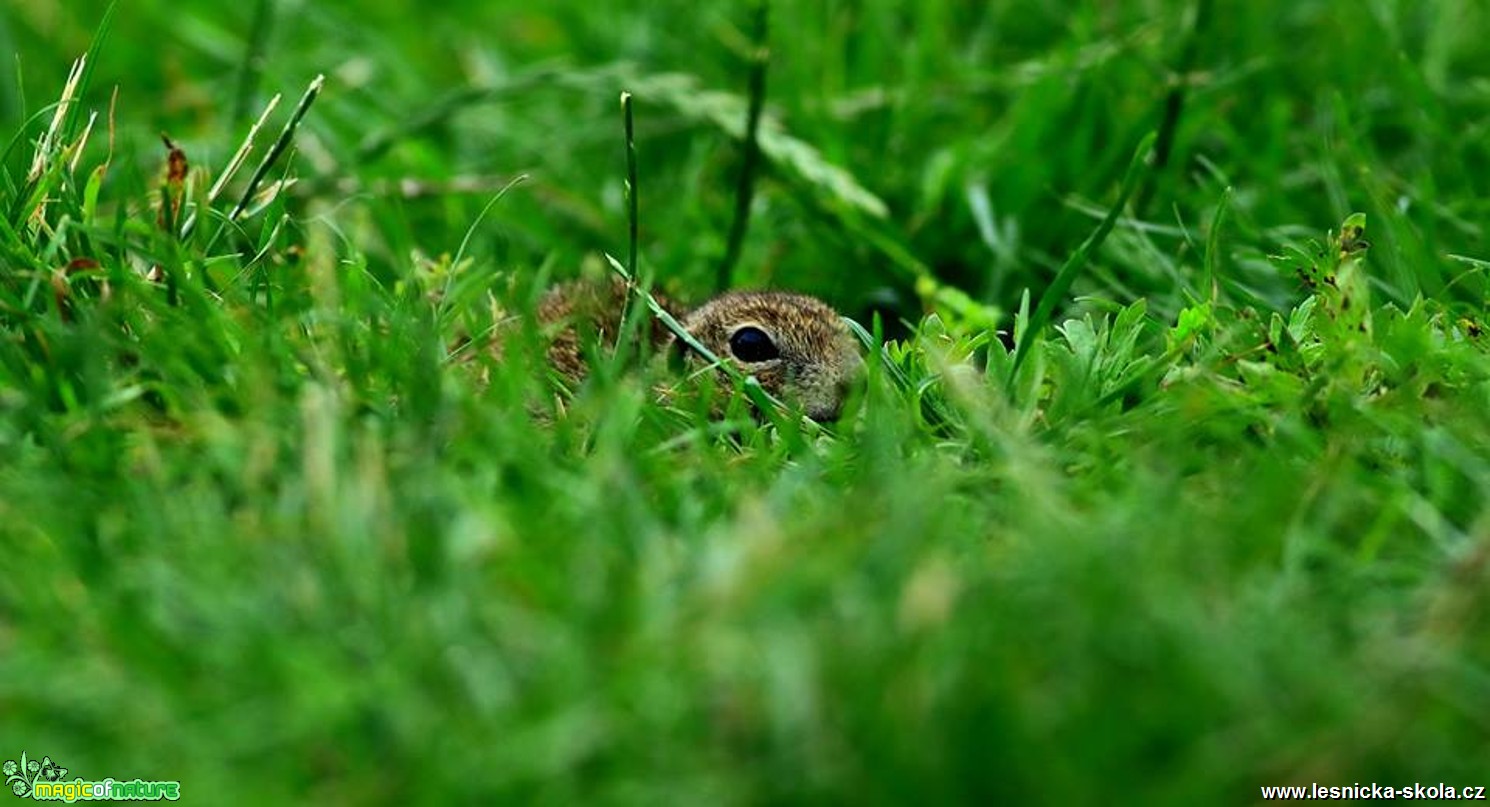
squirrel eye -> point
(751, 344)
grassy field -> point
(1168, 481)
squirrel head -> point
(796, 346)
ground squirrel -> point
(797, 346)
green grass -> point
(1160, 517)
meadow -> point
(1167, 480)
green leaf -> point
(1138, 169)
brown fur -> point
(818, 356)
(582, 311)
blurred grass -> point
(265, 535)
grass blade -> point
(1056, 291)
(760, 58)
(286, 136)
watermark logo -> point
(47, 781)
(21, 777)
